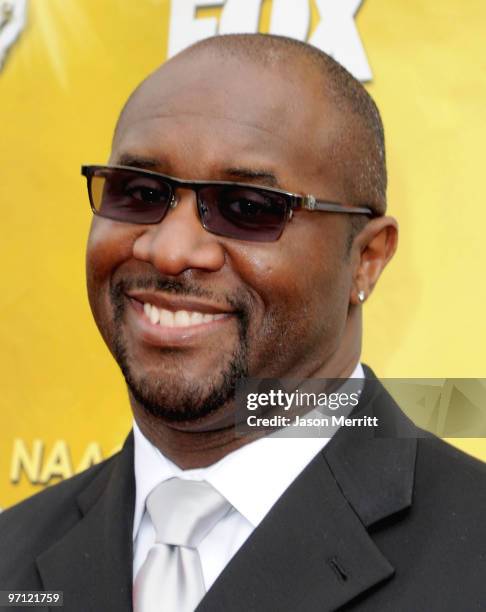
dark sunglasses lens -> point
(129, 196)
(243, 212)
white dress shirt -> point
(251, 478)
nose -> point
(179, 242)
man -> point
(197, 284)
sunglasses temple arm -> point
(309, 202)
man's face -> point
(281, 306)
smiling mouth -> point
(178, 318)
(167, 319)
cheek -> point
(302, 285)
(108, 247)
(306, 271)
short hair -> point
(367, 184)
(365, 174)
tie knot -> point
(184, 511)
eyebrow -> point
(265, 177)
(137, 161)
(248, 174)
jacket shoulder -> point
(45, 517)
(443, 467)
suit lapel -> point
(375, 466)
(313, 550)
(92, 563)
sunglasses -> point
(233, 210)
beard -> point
(175, 398)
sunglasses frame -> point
(295, 201)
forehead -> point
(201, 112)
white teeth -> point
(180, 318)
(154, 315)
(197, 318)
(166, 318)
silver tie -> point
(182, 512)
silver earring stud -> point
(361, 296)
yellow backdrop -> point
(63, 81)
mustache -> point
(239, 301)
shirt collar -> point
(251, 478)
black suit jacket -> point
(388, 523)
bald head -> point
(358, 149)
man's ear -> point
(372, 249)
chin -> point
(177, 399)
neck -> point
(190, 450)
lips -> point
(179, 318)
(172, 320)
(174, 303)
